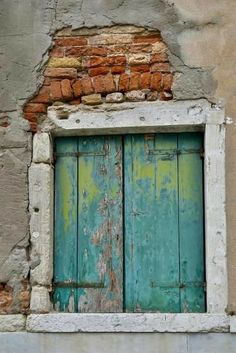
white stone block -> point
(233, 324)
(132, 117)
(41, 222)
(10, 323)
(40, 300)
(42, 148)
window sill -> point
(61, 322)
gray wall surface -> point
(116, 343)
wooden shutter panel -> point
(98, 260)
(163, 220)
(65, 240)
(163, 224)
(191, 230)
(151, 224)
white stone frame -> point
(108, 119)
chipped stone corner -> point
(40, 300)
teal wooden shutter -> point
(163, 218)
(191, 235)
(162, 202)
(88, 225)
(65, 242)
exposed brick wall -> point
(112, 64)
(6, 298)
(10, 299)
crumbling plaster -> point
(199, 36)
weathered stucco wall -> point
(117, 343)
(199, 36)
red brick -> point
(134, 81)
(145, 80)
(163, 67)
(147, 39)
(32, 117)
(55, 91)
(96, 71)
(96, 61)
(33, 127)
(75, 51)
(61, 72)
(140, 48)
(6, 298)
(77, 88)
(86, 84)
(167, 82)
(66, 89)
(117, 49)
(70, 41)
(124, 83)
(104, 84)
(109, 84)
(85, 51)
(43, 96)
(140, 68)
(117, 70)
(102, 61)
(156, 81)
(75, 101)
(117, 60)
(159, 57)
(96, 51)
(35, 108)
(57, 52)
(47, 81)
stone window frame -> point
(107, 119)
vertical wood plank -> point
(100, 224)
(191, 223)
(65, 242)
(151, 224)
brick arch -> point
(110, 64)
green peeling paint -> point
(158, 189)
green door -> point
(129, 224)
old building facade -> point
(104, 104)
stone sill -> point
(128, 323)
